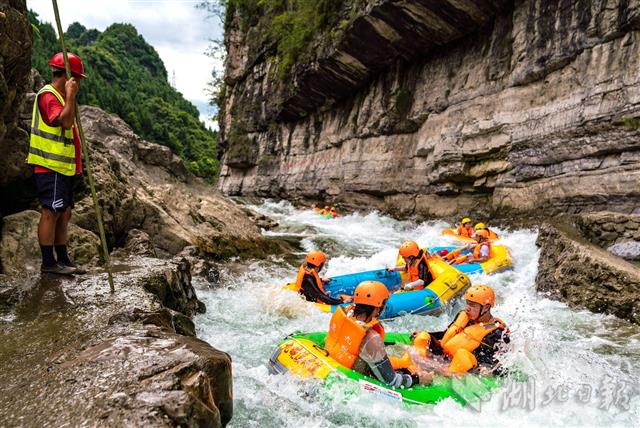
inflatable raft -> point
(448, 282)
(467, 240)
(499, 260)
(305, 356)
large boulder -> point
(144, 186)
(20, 251)
(78, 355)
(576, 271)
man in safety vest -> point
(474, 338)
(416, 265)
(310, 285)
(356, 338)
(465, 228)
(54, 150)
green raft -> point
(303, 354)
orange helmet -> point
(372, 293)
(316, 258)
(482, 233)
(482, 294)
(409, 249)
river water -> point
(584, 368)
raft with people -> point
(304, 355)
(447, 283)
(499, 259)
(465, 232)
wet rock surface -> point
(537, 111)
(73, 354)
(576, 271)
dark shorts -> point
(55, 190)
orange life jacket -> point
(461, 336)
(307, 271)
(334, 214)
(468, 232)
(478, 248)
(414, 270)
(346, 335)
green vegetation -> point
(291, 26)
(127, 77)
(631, 123)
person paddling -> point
(356, 338)
(474, 339)
(310, 285)
(416, 266)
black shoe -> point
(76, 270)
(57, 269)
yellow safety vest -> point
(51, 146)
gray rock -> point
(629, 250)
(577, 272)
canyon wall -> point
(438, 107)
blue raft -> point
(447, 283)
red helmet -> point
(444, 252)
(75, 64)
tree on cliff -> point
(128, 78)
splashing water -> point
(566, 353)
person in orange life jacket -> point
(325, 210)
(481, 251)
(465, 228)
(482, 226)
(474, 338)
(356, 338)
(333, 212)
(309, 283)
(416, 266)
(54, 151)
(313, 206)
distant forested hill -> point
(127, 77)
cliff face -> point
(15, 63)
(438, 107)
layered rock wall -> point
(535, 108)
(15, 63)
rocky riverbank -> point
(74, 354)
(576, 271)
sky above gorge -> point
(175, 28)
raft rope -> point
(85, 155)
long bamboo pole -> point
(85, 155)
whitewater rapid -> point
(584, 368)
